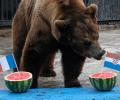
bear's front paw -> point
(34, 85)
(48, 73)
(72, 83)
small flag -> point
(112, 61)
(7, 62)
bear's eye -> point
(87, 43)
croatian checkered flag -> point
(112, 61)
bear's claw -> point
(72, 83)
(48, 73)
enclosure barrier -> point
(108, 11)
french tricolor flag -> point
(7, 62)
(112, 61)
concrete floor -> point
(110, 40)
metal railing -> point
(108, 11)
(7, 11)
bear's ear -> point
(65, 2)
(92, 9)
(57, 28)
(61, 24)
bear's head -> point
(78, 28)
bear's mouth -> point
(85, 53)
(77, 51)
(97, 58)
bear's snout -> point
(100, 54)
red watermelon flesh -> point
(103, 75)
(18, 76)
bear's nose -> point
(100, 54)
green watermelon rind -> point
(103, 84)
(19, 86)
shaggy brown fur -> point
(41, 27)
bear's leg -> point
(19, 31)
(72, 67)
(35, 52)
(47, 69)
(31, 63)
(38, 45)
(32, 60)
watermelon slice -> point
(104, 81)
(18, 81)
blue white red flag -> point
(112, 61)
(7, 62)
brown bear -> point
(41, 27)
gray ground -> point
(110, 40)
